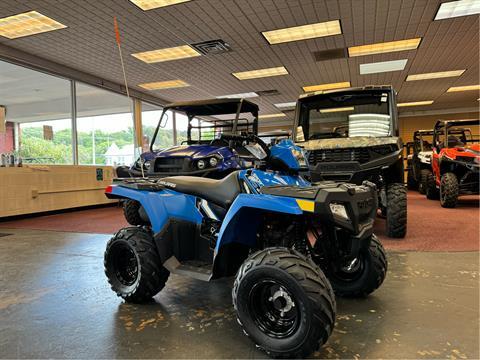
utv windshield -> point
(345, 116)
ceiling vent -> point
(330, 54)
(212, 47)
(271, 92)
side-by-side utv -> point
(203, 153)
(419, 160)
(455, 161)
(352, 135)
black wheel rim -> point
(351, 270)
(124, 264)
(273, 309)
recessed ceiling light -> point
(238, 96)
(454, 9)
(169, 84)
(286, 105)
(435, 75)
(385, 47)
(260, 73)
(153, 4)
(339, 109)
(25, 24)
(331, 86)
(415, 103)
(167, 54)
(267, 116)
(464, 88)
(383, 66)
(303, 32)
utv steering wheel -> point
(246, 138)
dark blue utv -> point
(204, 153)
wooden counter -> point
(37, 188)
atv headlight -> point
(339, 211)
(201, 164)
(213, 162)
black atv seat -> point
(220, 192)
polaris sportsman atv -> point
(419, 160)
(455, 162)
(352, 135)
(203, 153)
(289, 243)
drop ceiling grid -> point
(88, 44)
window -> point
(39, 107)
(150, 117)
(105, 129)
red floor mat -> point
(430, 227)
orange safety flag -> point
(117, 33)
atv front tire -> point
(422, 186)
(396, 210)
(132, 265)
(131, 210)
(364, 275)
(284, 303)
(449, 190)
(432, 191)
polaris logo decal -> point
(167, 184)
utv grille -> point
(360, 155)
(169, 165)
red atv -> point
(455, 162)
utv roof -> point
(423, 132)
(309, 96)
(448, 123)
(213, 107)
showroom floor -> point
(55, 301)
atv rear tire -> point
(396, 210)
(132, 265)
(284, 303)
(422, 186)
(365, 277)
(131, 210)
(449, 190)
(431, 190)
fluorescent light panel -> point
(303, 32)
(435, 75)
(385, 47)
(238, 96)
(339, 109)
(331, 86)
(153, 4)
(454, 9)
(268, 116)
(286, 105)
(167, 54)
(169, 84)
(260, 73)
(415, 103)
(383, 66)
(25, 24)
(464, 88)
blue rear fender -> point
(160, 206)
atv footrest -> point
(194, 269)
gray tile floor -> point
(55, 303)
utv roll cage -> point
(419, 141)
(212, 107)
(307, 102)
(444, 127)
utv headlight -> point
(300, 157)
(201, 164)
(146, 165)
(339, 211)
(213, 162)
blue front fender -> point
(241, 221)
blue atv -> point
(291, 244)
(204, 153)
